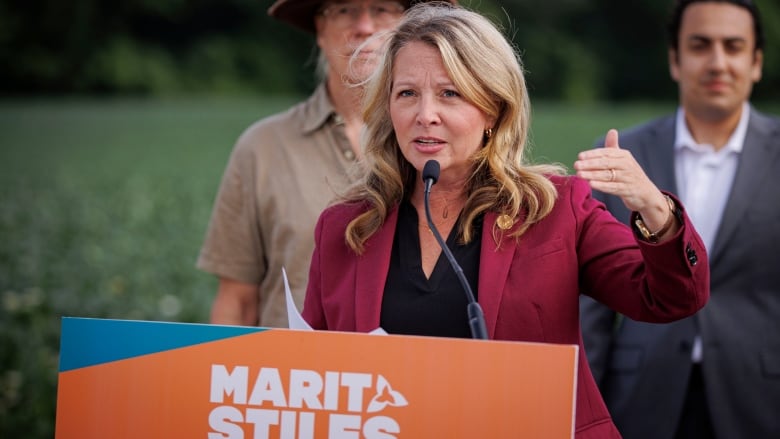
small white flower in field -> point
(169, 305)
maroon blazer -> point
(528, 288)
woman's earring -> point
(489, 133)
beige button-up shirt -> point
(283, 171)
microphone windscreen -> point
(431, 171)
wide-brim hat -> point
(300, 13)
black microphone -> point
(430, 176)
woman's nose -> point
(428, 112)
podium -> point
(132, 379)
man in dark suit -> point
(717, 373)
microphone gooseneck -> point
(430, 176)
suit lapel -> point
(755, 163)
(494, 265)
(371, 274)
(657, 155)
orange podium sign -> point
(136, 379)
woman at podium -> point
(447, 118)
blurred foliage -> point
(103, 207)
(574, 50)
(147, 47)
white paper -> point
(294, 318)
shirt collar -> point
(320, 109)
(684, 138)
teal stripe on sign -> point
(87, 342)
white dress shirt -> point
(704, 179)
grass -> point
(560, 131)
(103, 207)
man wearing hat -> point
(284, 169)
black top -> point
(414, 305)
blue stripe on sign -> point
(88, 342)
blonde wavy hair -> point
(487, 72)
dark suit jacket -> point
(527, 288)
(643, 369)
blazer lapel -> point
(657, 155)
(755, 163)
(494, 265)
(371, 274)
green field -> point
(103, 206)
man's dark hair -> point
(673, 29)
